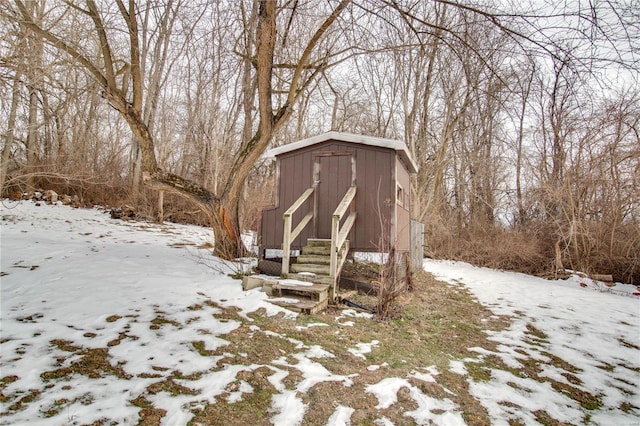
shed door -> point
(333, 175)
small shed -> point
(349, 190)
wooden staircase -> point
(307, 299)
(312, 266)
(321, 259)
(314, 261)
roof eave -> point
(398, 146)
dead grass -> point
(433, 325)
(93, 363)
(253, 409)
(436, 323)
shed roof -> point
(396, 145)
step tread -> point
(312, 278)
(310, 267)
(316, 250)
(315, 292)
(313, 288)
(319, 242)
(317, 259)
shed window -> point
(400, 195)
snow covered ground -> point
(75, 278)
(598, 333)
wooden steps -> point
(315, 258)
(305, 298)
(302, 306)
(306, 288)
(315, 268)
(312, 266)
(311, 291)
(304, 295)
(311, 277)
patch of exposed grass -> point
(628, 367)
(536, 332)
(193, 376)
(535, 337)
(627, 407)
(574, 380)
(57, 406)
(518, 387)
(118, 340)
(65, 345)
(20, 404)
(93, 363)
(560, 363)
(6, 380)
(530, 367)
(199, 346)
(171, 387)
(113, 318)
(3, 384)
(625, 381)
(161, 320)
(627, 344)
(149, 415)
(545, 419)
(253, 409)
(586, 399)
(150, 375)
(247, 346)
(478, 372)
(606, 367)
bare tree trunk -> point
(136, 178)
(160, 206)
(32, 137)
(9, 136)
(519, 146)
(222, 210)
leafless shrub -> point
(392, 281)
(391, 286)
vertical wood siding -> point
(376, 170)
(403, 212)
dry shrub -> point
(110, 193)
(504, 249)
(440, 240)
(491, 247)
(599, 248)
(89, 190)
(611, 250)
(390, 286)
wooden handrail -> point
(345, 203)
(339, 236)
(296, 204)
(290, 235)
(346, 228)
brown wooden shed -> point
(339, 187)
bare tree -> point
(127, 99)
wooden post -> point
(289, 236)
(286, 244)
(333, 263)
